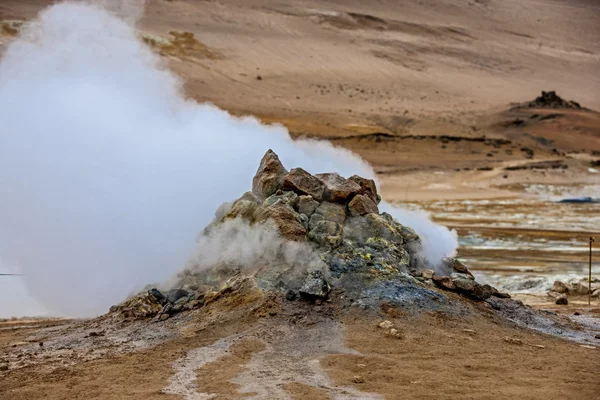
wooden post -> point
(590, 274)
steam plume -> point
(107, 172)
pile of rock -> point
(364, 253)
(550, 100)
(561, 291)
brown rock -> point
(304, 183)
(362, 204)
(581, 288)
(427, 273)
(269, 176)
(286, 219)
(307, 205)
(561, 287)
(368, 187)
(562, 299)
(596, 293)
(242, 208)
(337, 188)
(444, 282)
(332, 212)
(454, 265)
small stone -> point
(562, 300)
(303, 183)
(597, 336)
(361, 205)
(290, 295)
(307, 205)
(427, 273)
(337, 188)
(386, 324)
(444, 282)
(315, 286)
(4, 367)
(561, 287)
(395, 333)
(358, 379)
(469, 331)
(539, 346)
(513, 340)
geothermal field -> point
(299, 200)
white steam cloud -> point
(107, 172)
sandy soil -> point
(296, 351)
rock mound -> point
(355, 249)
(551, 100)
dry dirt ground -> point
(421, 90)
(291, 350)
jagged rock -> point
(176, 294)
(315, 286)
(157, 295)
(561, 287)
(337, 188)
(562, 299)
(290, 198)
(138, 307)
(362, 204)
(303, 183)
(473, 289)
(427, 273)
(326, 233)
(242, 208)
(250, 197)
(444, 282)
(454, 265)
(581, 288)
(368, 187)
(269, 176)
(359, 229)
(551, 100)
(332, 212)
(307, 205)
(287, 220)
(458, 275)
(409, 234)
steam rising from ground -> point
(107, 173)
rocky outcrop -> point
(269, 176)
(361, 205)
(367, 186)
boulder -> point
(287, 220)
(307, 205)
(444, 282)
(157, 295)
(337, 188)
(290, 198)
(362, 204)
(473, 289)
(581, 288)
(315, 286)
(176, 294)
(562, 299)
(242, 208)
(561, 287)
(303, 183)
(367, 186)
(427, 273)
(269, 176)
(360, 229)
(332, 212)
(314, 220)
(454, 265)
(596, 293)
(326, 233)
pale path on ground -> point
(291, 355)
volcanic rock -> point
(307, 205)
(444, 282)
(362, 204)
(269, 176)
(174, 295)
(561, 287)
(157, 295)
(359, 229)
(562, 299)
(315, 286)
(326, 233)
(427, 273)
(332, 212)
(301, 182)
(551, 100)
(368, 187)
(245, 209)
(473, 289)
(454, 265)
(337, 188)
(287, 220)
